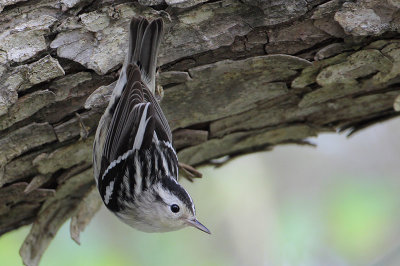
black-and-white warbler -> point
(135, 165)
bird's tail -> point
(144, 41)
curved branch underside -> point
(236, 77)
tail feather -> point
(144, 42)
(137, 28)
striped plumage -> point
(135, 164)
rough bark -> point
(236, 77)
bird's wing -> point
(161, 125)
(131, 129)
(132, 124)
(136, 120)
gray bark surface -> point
(235, 77)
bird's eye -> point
(174, 208)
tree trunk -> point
(236, 77)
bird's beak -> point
(198, 225)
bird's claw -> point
(189, 172)
(84, 132)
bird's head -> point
(167, 206)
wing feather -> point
(132, 123)
(162, 128)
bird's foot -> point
(84, 131)
(159, 93)
(189, 172)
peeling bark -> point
(235, 77)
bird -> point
(135, 164)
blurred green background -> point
(337, 204)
